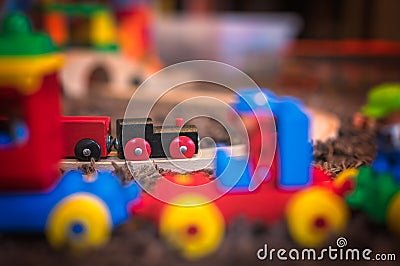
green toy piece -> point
(17, 38)
(373, 193)
(382, 100)
(77, 9)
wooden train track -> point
(203, 160)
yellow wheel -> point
(196, 231)
(314, 214)
(393, 214)
(80, 221)
(343, 177)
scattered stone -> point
(88, 168)
(352, 148)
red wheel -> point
(137, 149)
(182, 147)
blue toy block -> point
(232, 172)
(292, 123)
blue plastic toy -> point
(76, 212)
(293, 144)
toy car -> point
(197, 213)
(76, 212)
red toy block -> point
(86, 132)
(33, 164)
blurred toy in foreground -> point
(377, 190)
(309, 199)
(382, 112)
(73, 210)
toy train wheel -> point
(86, 149)
(195, 231)
(182, 147)
(314, 214)
(109, 142)
(79, 222)
(393, 214)
(137, 149)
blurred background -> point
(318, 50)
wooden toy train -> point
(87, 137)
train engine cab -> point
(87, 137)
(30, 132)
(138, 139)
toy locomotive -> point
(139, 139)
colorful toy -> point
(99, 17)
(137, 139)
(74, 210)
(384, 106)
(134, 19)
(377, 188)
(87, 137)
(378, 195)
(308, 197)
(119, 45)
(30, 98)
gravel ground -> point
(137, 241)
(351, 148)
